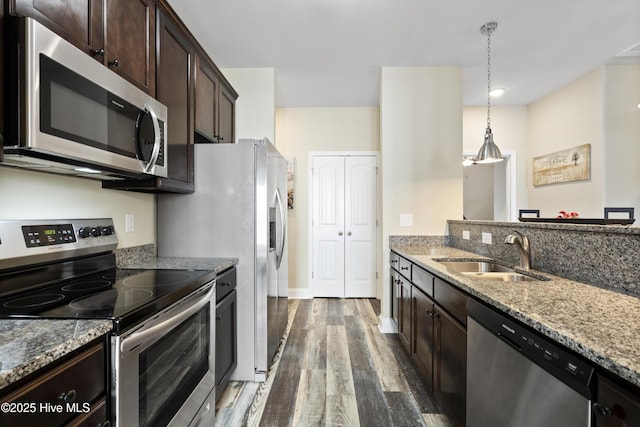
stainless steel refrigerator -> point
(238, 210)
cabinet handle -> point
(435, 315)
(225, 284)
(429, 312)
(339, 233)
(115, 63)
(67, 397)
(394, 261)
(98, 52)
(601, 411)
(105, 424)
(348, 233)
(404, 268)
(218, 317)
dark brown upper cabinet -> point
(175, 63)
(118, 33)
(215, 104)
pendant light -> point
(489, 152)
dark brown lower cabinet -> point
(451, 363)
(616, 405)
(226, 329)
(404, 315)
(423, 336)
(76, 387)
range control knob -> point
(107, 230)
(84, 232)
(96, 231)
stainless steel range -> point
(162, 345)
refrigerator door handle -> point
(283, 227)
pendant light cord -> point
(489, 30)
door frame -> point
(510, 181)
(313, 154)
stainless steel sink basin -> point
(476, 267)
(503, 276)
(484, 270)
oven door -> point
(164, 369)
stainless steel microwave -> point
(75, 116)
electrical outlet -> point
(465, 234)
(129, 223)
(406, 220)
(486, 238)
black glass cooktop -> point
(124, 296)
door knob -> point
(339, 233)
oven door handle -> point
(167, 325)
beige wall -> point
(509, 126)
(568, 117)
(421, 145)
(300, 131)
(255, 106)
(622, 136)
(36, 195)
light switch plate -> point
(129, 223)
(406, 220)
(465, 234)
(486, 238)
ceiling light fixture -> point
(496, 93)
(489, 152)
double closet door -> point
(344, 226)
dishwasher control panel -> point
(551, 356)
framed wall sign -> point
(573, 164)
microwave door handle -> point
(282, 226)
(167, 325)
(156, 142)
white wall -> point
(568, 117)
(421, 145)
(255, 106)
(300, 131)
(36, 195)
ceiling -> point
(328, 53)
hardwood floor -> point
(334, 367)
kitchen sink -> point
(486, 270)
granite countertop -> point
(27, 345)
(599, 324)
(216, 264)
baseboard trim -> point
(300, 293)
(387, 325)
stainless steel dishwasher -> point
(518, 378)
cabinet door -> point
(404, 327)
(616, 406)
(423, 336)
(130, 41)
(226, 342)
(395, 296)
(175, 90)
(78, 21)
(451, 363)
(226, 114)
(207, 88)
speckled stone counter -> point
(30, 344)
(216, 264)
(599, 324)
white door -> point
(344, 225)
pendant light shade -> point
(489, 152)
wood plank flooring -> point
(334, 368)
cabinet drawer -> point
(80, 380)
(422, 279)
(225, 283)
(394, 260)
(404, 268)
(95, 418)
(451, 299)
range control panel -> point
(46, 235)
(35, 241)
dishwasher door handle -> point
(509, 342)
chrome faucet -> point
(524, 248)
